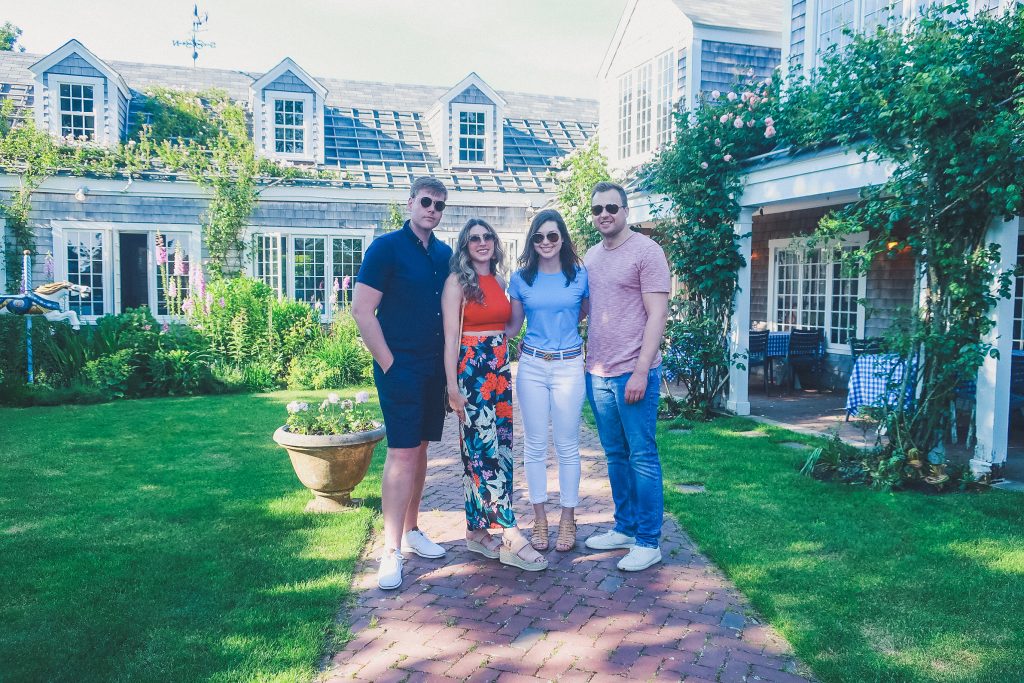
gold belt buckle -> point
(547, 356)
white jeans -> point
(551, 392)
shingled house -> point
(492, 150)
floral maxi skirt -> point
(485, 378)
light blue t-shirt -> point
(552, 309)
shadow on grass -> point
(866, 585)
(166, 540)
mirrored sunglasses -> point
(439, 205)
(477, 239)
(610, 208)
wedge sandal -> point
(513, 557)
(481, 549)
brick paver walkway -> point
(464, 617)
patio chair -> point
(860, 347)
(806, 351)
(757, 355)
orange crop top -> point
(493, 313)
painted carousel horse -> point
(45, 300)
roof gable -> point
(481, 87)
(72, 49)
(286, 66)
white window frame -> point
(488, 112)
(812, 30)
(288, 235)
(59, 237)
(665, 66)
(99, 103)
(790, 244)
(272, 97)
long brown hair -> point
(567, 256)
(462, 265)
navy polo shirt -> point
(411, 278)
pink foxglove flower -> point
(165, 328)
(188, 306)
(172, 289)
(337, 285)
(180, 267)
(161, 250)
(346, 282)
(221, 302)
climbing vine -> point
(943, 104)
(575, 176)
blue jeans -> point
(627, 432)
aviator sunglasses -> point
(612, 209)
(552, 237)
(425, 202)
(477, 239)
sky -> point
(540, 46)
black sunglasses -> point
(552, 237)
(477, 239)
(425, 202)
(610, 208)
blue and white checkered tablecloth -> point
(778, 344)
(870, 376)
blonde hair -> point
(462, 265)
(52, 288)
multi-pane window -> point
(310, 271)
(77, 110)
(625, 115)
(172, 278)
(1018, 302)
(268, 261)
(665, 97)
(85, 267)
(880, 13)
(643, 108)
(815, 289)
(472, 137)
(289, 126)
(347, 256)
(833, 17)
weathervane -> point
(198, 26)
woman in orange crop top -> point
(479, 380)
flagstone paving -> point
(464, 617)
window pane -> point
(85, 267)
(310, 270)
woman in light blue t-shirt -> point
(548, 291)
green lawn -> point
(164, 540)
(867, 586)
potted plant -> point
(330, 447)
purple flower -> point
(165, 328)
(188, 305)
(179, 261)
(337, 285)
(161, 250)
(221, 302)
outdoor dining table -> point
(872, 374)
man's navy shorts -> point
(411, 399)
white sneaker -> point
(415, 541)
(609, 540)
(639, 558)
(389, 573)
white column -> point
(739, 329)
(993, 395)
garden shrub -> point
(337, 360)
(259, 376)
(111, 373)
(177, 372)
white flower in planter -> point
(362, 397)
(297, 407)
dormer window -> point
(290, 127)
(472, 137)
(77, 110)
(288, 114)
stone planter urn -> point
(330, 466)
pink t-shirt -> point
(618, 279)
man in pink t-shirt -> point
(629, 286)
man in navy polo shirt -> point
(397, 305)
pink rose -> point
(718, 142)
(769, 132)
(704, 164)
(724, 118)
(738, 123)
(728, 157)
(731, 97)
(769, 121)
